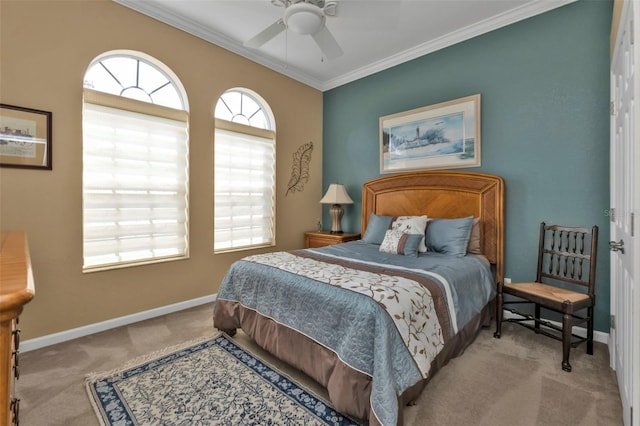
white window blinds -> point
(135, 182)
(244, 187)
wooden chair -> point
(565, 283)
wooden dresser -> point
(16, 289)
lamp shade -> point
(336, 194)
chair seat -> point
(556, 294)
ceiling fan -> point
(306, 17)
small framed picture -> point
(440, 136)
(25, 137)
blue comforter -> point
(313, 292)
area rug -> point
(208, 382)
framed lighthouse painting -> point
(440, 136)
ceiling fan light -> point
(304, 18)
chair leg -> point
(590, 331)
(566, 341)
(536, 324)
(499, 312)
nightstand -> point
(313, 239)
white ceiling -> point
(374, 34)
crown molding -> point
(519, 14)
(157, 11)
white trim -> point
(157, 11)
(598, 336)
(511, 17)
(63, 336)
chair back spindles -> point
(566, 255)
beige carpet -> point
(516, 380)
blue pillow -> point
(449, 236)
(398, 242)
(376, 228)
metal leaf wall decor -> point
(300, 168)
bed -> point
(373, 326)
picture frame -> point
(440, 136)
(25, 137)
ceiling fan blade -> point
(265, 35)
(327, 43)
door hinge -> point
(633, 216)
(613, 322)
(612, 108)
(612, 214)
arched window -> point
(135, 163)
(244, 173)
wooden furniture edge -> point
(16, 289)
(16, 275)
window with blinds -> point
(244, 179)
(135, 176)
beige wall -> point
(45, 48)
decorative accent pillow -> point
(398, 242)
(449, 236)
(412, 225)
(376, 228)
(474, 246)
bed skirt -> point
(349, 390)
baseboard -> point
(63, 336)
(598, 336)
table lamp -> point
(336, 195)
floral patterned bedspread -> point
(385, 317)
(408, 303)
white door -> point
(625, 206)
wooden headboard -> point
(443, 194)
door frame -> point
(621, 12)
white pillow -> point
(398, 242)
(412, 225)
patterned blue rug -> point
(211, 382)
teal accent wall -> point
(544, 84)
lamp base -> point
(336, 211)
